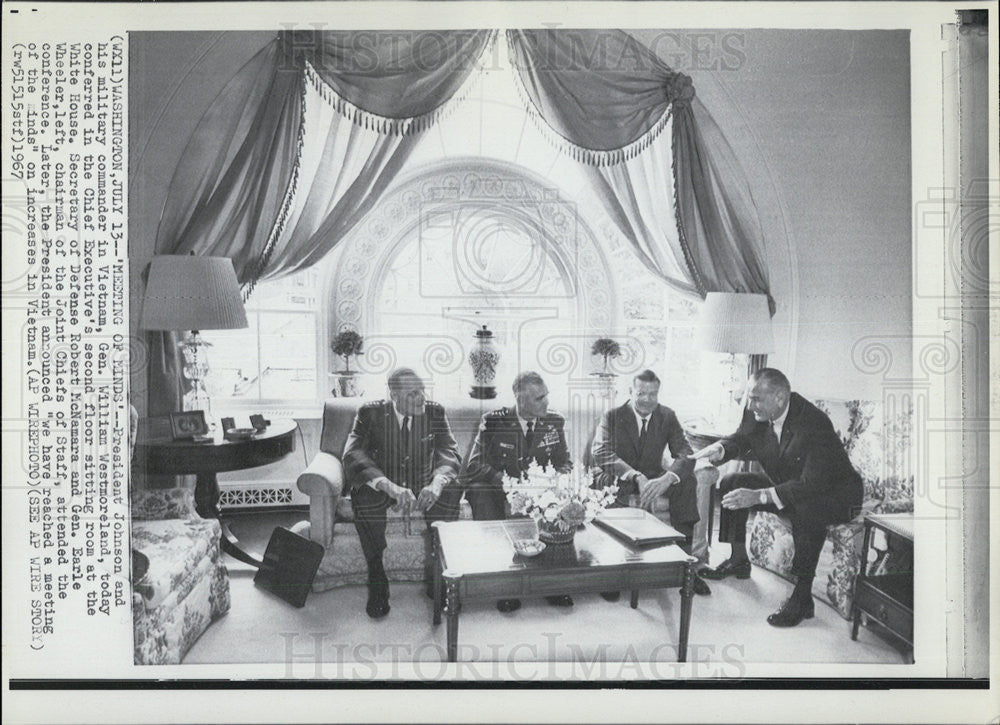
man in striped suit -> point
(400, 453)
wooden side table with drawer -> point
(883, 590)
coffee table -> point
(476, 560)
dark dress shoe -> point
(611, 596)
(560, 600)
(508, 605)
(700, 587)
(378, 601)
(792, 612)
(740, 570)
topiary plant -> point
(606, 348)
(347, 344)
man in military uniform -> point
(400, 453)
(509, 440)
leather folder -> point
(638, 527)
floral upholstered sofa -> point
(879, 448)
(186, 586)
(179, 583)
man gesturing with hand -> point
(806, 477)
(401, 456)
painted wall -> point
(819, 119)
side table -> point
(163, 456)
(883, 589)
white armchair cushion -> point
(323, 477)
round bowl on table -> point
(529, 547)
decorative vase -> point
(348, 385)
(551, 534)
(484, 359)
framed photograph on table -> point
(189, 424)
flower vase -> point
(550, 533)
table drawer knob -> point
(882, 612)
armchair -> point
(183, 586)
(331, 518)
(879, 450)
(186, 586)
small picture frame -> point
(187, 425)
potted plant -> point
(608, 349)
(347, 344)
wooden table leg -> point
(855, 622)
(634, 601)
(862, 573)
(687, 595)
(206, 495)
(437, 582)
(451, 608)
(206, 503)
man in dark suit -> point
(807, 477)
(508, 441)
(400, 453)
(629, 447)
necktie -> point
(772, 439)
(530, 430)
(642, 432)
(405, 453)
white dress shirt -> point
(524, 424)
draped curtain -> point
(679, 197)
(306, 137)
(295, 150)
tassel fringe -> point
(591, 157)
(286, 206)
(394, 126)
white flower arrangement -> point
(563, 500)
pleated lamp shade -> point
(735, 323)
(192, 293)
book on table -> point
(638, 527)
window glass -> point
(274, 359)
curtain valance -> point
(390, 81)
(603, 97)
(273, 180)
(603, 94)
(232, 190)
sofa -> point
(879, 448)
(179, 583)
(330, 515)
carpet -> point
(728, 628)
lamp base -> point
(482, 392)
(194, 349)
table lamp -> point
(193, 293)
(735, 323)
